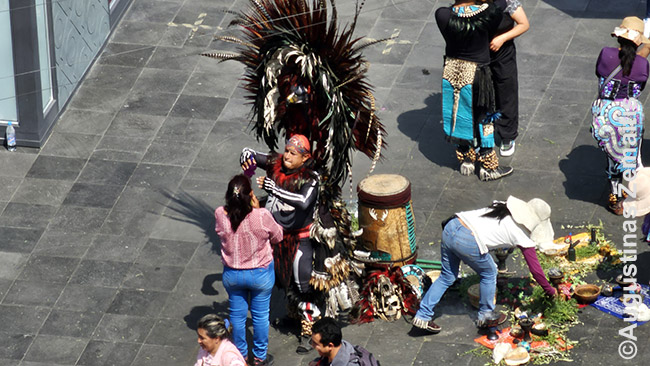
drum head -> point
(384, 184)
(384, 190)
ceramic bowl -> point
(586, 294)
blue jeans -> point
(250, 287)
(458, 244)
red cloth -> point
(250, 246)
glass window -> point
(44, 53)
(8, 111)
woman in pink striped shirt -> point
(247, 232)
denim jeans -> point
(250, 287)
(458, 244)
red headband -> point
(300, 143)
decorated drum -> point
(386, 217)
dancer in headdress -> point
(617, 122)
(306, 80)
(468, 104)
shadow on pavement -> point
(195, 211)
(429, 136)
(585, 178)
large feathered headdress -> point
(306, 76)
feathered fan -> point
(305, 76)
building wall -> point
(80, 30)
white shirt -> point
(492, 233)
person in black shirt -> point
(468, 102)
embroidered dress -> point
(617, 123)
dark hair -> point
(214, 326)
(627, 54)
(499, 210)
(329, 330)
(238, 200)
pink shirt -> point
(227, 355)
(250, 246)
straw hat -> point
(534, 215)
(641, 187)
(631, 29)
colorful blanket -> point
(613, 306)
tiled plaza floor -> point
(107, 250)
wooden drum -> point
(386, 217)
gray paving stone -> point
(166, 252)
(84, 122)
(171, 332)
(124, 54)
(107, 172)
(181, 129)
(85, 298)
(157, 104)
(155, 355)
(172, 58)
(26, 215)
(123, 328)
(11, 264)
(9, 184)
(161, 278)
(70, 145)
(161, 81)
(179, 229)
(70, 323)
(63, 244)
(133, 223)
(56, 167)
(148, 11)
(175, 37)
(171, 153)
(14, 346)
(198, 106)
(93, 195)
(190, 12)
(98, 99)
(56, 349)
(138, 302)
(214, 85)
(78, 219)
(100, 273)
(22, 319)
(99, 353)
(115, 248)
(533, 64)
(35, 293)
(156, 176)
(48, 269)
(15, 165)
(121, 148)
(18, 239)
(407, 11)
(41, 191)
(207, 256)
(141, 198)
(112, 76)
(138, 32)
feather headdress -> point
(304, 75)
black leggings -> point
(302, 265)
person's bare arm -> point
(519, 16)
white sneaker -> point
(507, 149)
(646, 29)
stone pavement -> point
(107, 249)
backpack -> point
(364, 357)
